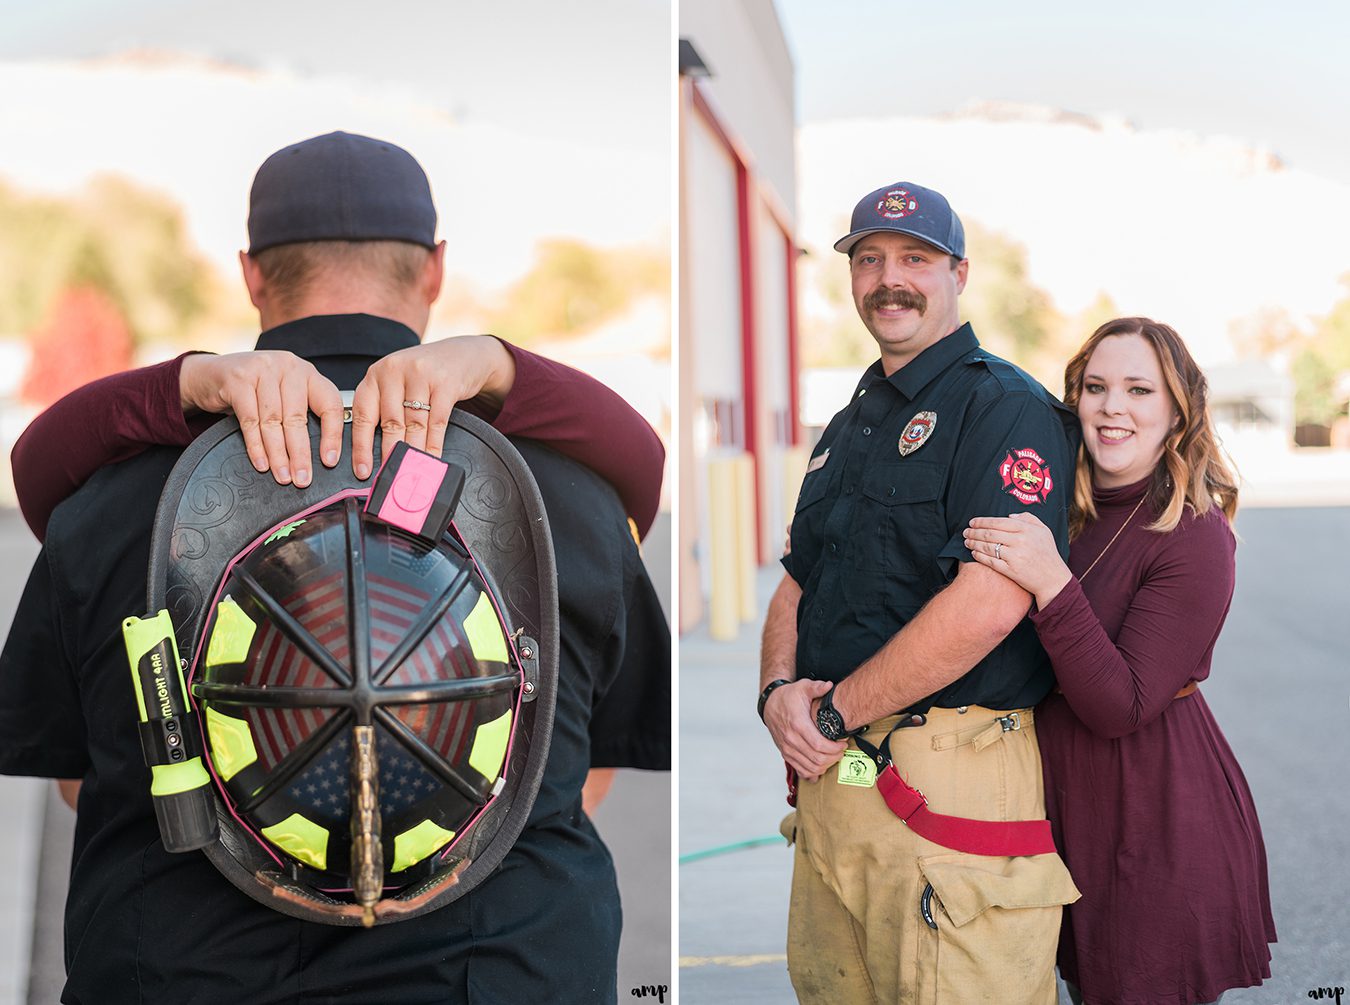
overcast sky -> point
(1276, 75)
(587, 69)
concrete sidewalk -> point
(733, 905)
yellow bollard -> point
(747, 544)
(723, 604)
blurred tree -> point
(1321, 360)
(126, 242)
(1264, 333)
(1011, 315)
(85, 339)
(573, 287)
(831, 333)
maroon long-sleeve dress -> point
(1149, 807)
(119, 416)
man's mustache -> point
(885, 299)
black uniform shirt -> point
(143, 925)
(898, 474)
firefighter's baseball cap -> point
(906, 208)
(340, 187)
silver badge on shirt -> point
(917, 432)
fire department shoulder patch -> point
(1026, 477)
(917, 432)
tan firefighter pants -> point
(856, 932)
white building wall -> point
(742, 43)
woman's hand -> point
(271, 393)
(1021, 548)
(438, 375)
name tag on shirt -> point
(818, 462)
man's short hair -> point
(290, 270)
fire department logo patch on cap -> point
(917, 432)
(897, 204)
(1026, 477)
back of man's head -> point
(344, 223)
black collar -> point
(915, 375)
(339, 335)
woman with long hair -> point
(1149, 807)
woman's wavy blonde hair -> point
(1193, 471)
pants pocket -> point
(997, 928)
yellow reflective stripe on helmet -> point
(302, 838)
(485, 632)
(416, 843)
(489, 746)
(231, 635)
(170, 779)
(232, 747)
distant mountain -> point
(1193, 230)
(197, 129)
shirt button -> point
(891, 491)
(867, 430)
(833, 549)
(861, 391)
(848, 491)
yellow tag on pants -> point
(857, 769)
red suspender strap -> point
(975, 837)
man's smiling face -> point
(905, 291)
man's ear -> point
(962, 274)
(433, 274)
(253, 279)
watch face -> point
(829, 722)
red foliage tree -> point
(85, 338)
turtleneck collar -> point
(1125, 495)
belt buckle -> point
(1011, 722)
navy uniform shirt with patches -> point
(876, 533)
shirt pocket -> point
(813, 488)
(900, 525)
(994, 925)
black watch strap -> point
(830, 722)
(764, 695)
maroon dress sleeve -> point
(583, 419)
(106, 421)
(117, 417)
(1165, 640)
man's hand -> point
(439, 374)
(271, 393)
(791, 720)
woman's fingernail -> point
(330, 458)
(302, 478)
(363, 471)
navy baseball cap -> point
(340, 187)
(903, 208)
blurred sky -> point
(588, 70)
(534, 119)
(1275, 75)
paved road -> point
(35, 835)
(1280, 689)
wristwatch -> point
(830, 722)
(764, 695)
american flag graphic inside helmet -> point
(446, 727)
